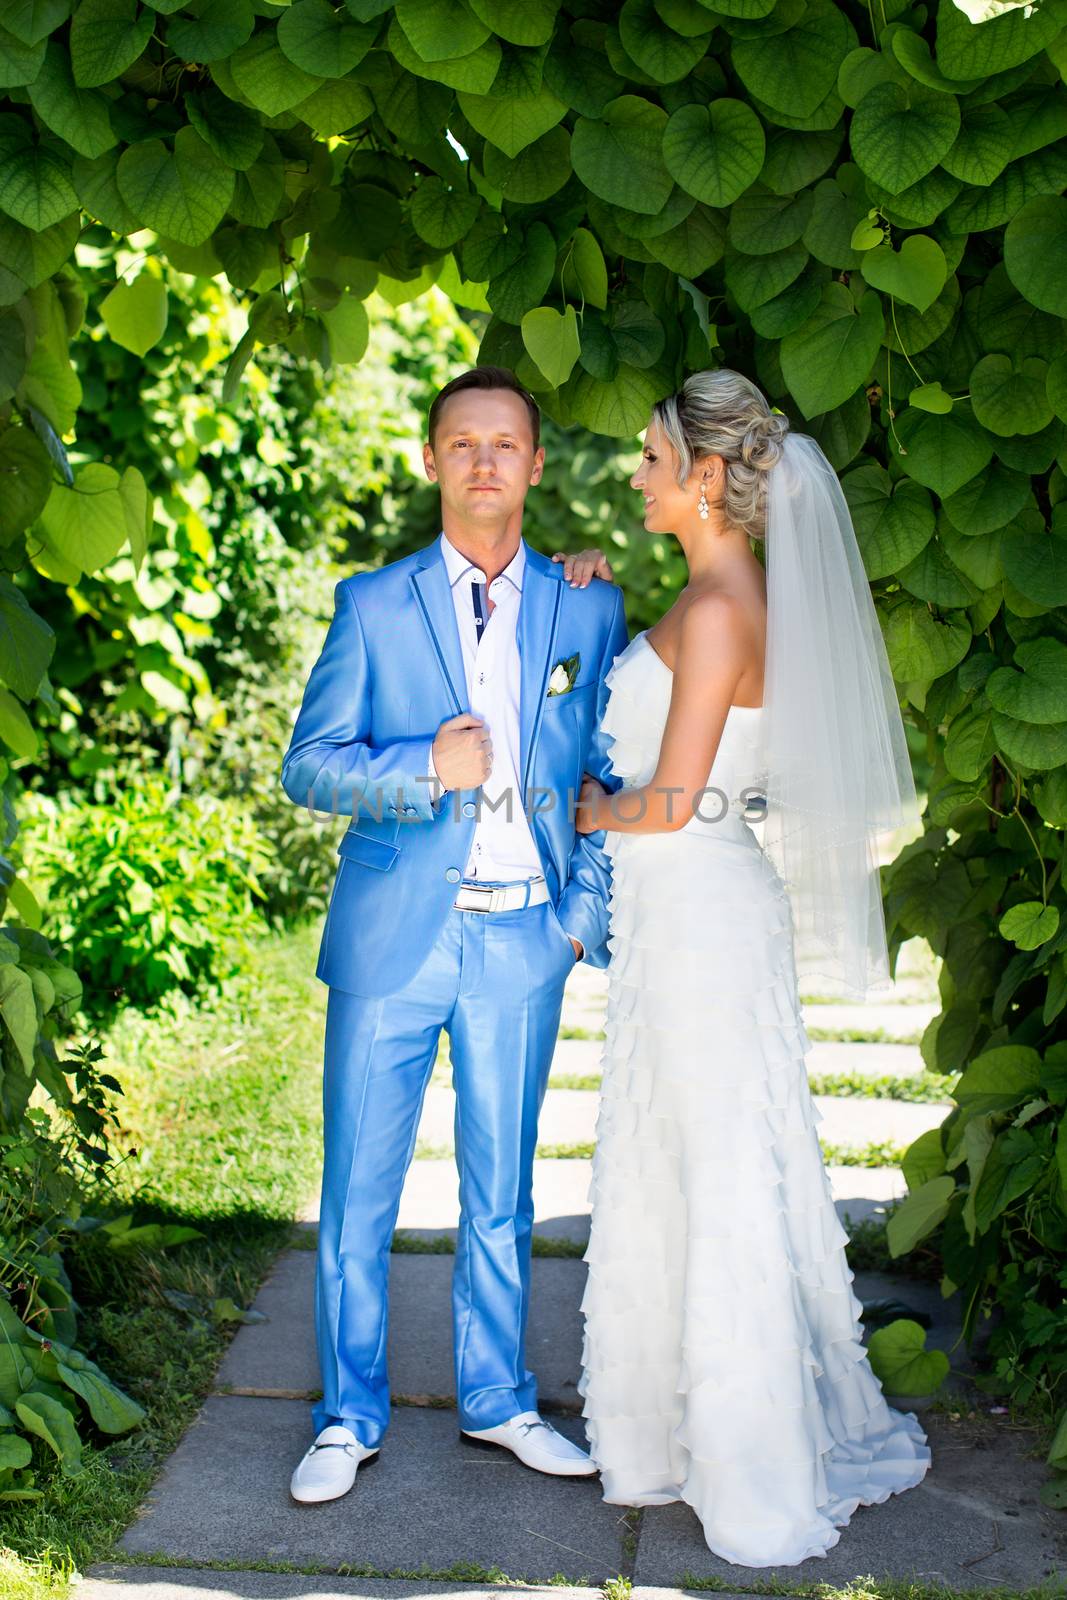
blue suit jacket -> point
(390, 672)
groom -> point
(452, 712)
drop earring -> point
(702, 505)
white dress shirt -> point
(503, 846)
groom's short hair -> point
(485, 378)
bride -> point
(723, 1362)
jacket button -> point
(469, 808)
(453, 874)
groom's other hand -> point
(462, 752)
(577, 570)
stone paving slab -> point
(569, 1116)
(583, 1057)
(114, 1580)
(427, 1503)
(429, 1207)
(974, 1522)
(279, 1356)
(894, 1018)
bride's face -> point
(667, 507)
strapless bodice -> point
(640, 684)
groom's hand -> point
(462, 752)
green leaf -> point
(795, 70)
(693, 246)
(440, 215)
(218, 28)
(111, 1409)
(942, 452)
(619, 409)
(33, 256)
(1008, 394)
(1036, 564)
(26, 641)
(619, 156)
(901, 1362)
(135, 314)
(999, 1079)
(182, 193)
(1031, 744)
(35, 184)
(17, 1005)
(923, 1210)
(80, 116)
(965, 50)
(536, 173)
(754, 280)
(349, 329)
(523, 284)
(825, 361)
(715, 152)
(893, 521)
(915, 273)
(920, 648)
(665, 55)
(1013, 1166)
(532, 23)
(85, 526)
(931, 397)
(587, 261)
(473, 72)
(267, 77)
(335, 107)
(33, 20)
(551, 339)
(321, 40)
(1037, 693)
(53, 1423)
(924, 1159)
(1035, 253)
(1029, 924)
(232, 131)
(106, 37)
(26, 473)
(637, 332)
(511, 122)
(17, 732)
(441, 29)
(899, 134)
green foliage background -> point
(859, 205)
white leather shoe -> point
(537, 1445)
(328, 1467)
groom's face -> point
(482, 455)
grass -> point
(882, 1154)
(221, 1132)
(923, 1088)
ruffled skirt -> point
(723, 1363)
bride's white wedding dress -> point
(723, 1362)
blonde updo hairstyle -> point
(719, 412)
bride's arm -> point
(713, 646)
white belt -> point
(507, 897)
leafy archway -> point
(860, 205)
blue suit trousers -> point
(495, 983)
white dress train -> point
(722, 1362)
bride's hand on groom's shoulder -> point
(577, 570)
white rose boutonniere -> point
(564, 675)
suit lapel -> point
(542, 594)
(433, 595)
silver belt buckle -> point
(480, 888)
